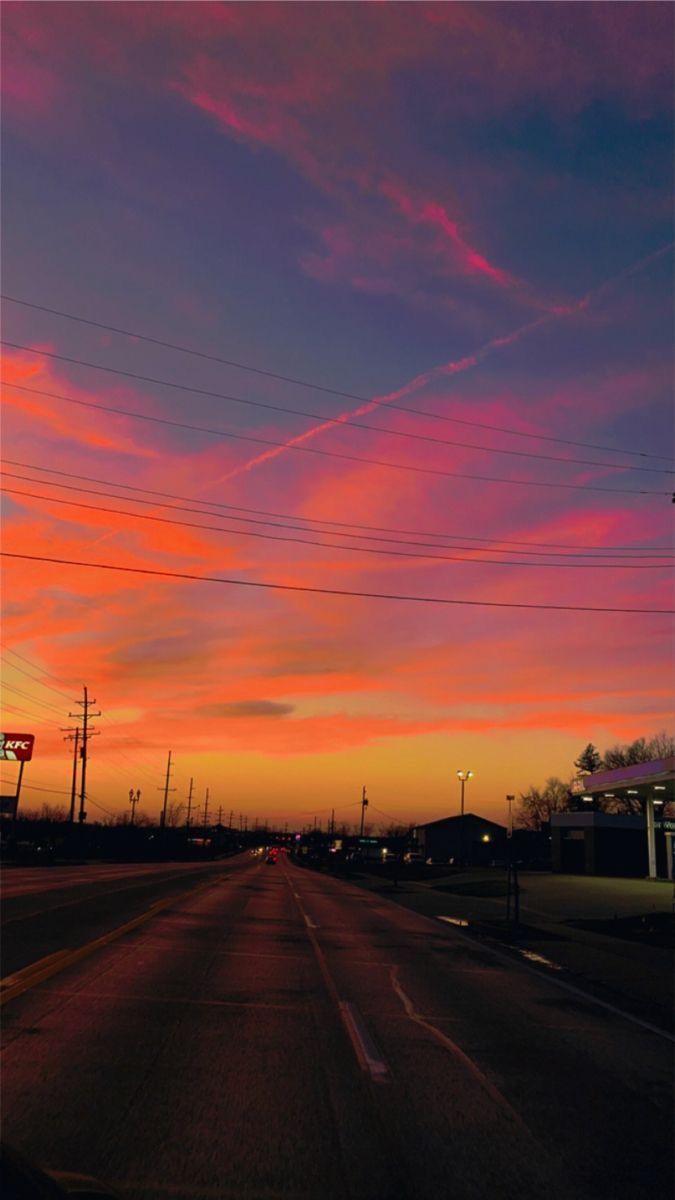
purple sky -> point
(463, 208)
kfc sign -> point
(16, 746)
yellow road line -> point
(14, 985)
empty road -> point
(261, 1031)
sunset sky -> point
(464, 210)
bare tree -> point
(660, 745)
(174, 813)
(535, 806)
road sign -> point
(16, 746)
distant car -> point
(413, 857)
(271, 857)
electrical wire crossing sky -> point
(337, 396)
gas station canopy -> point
(651, 783)
(654, 780)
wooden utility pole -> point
(166, 790)
(364, 805)
(73, 736)
(86, 734)
(189, 805)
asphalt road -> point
(637, 978)
(274, 1033)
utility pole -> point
(364, 805)
(220, 814)
(73, 736)
(332, 822)
(206, 811)
(229, 823)
(189, 805)
(86, 734)
(134, 797)
(166, 789)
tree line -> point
(535, 806)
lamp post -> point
(463, 777)
(509, 801)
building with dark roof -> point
(468, 839)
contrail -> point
(455, 367)
(443, 371)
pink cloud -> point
(432, 213)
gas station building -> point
(602, 843)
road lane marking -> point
(458, 1053)
(554, 980)
(21, 981)
(367, 1053)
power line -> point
(52, 708)
(315, 812)
(250, 533)
(383, 403)
(297, 412)
(110, 720)
(29, 676)
(333, 454)
(317, 591)
(15, 667)
(32, 787)
(13, 708)
(389, 816)
(90, 800)
(33, 699)
(333, 532)
(133, 762)
(662, 551)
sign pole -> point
(16, 798)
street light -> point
(134, 797)
(463, 777)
